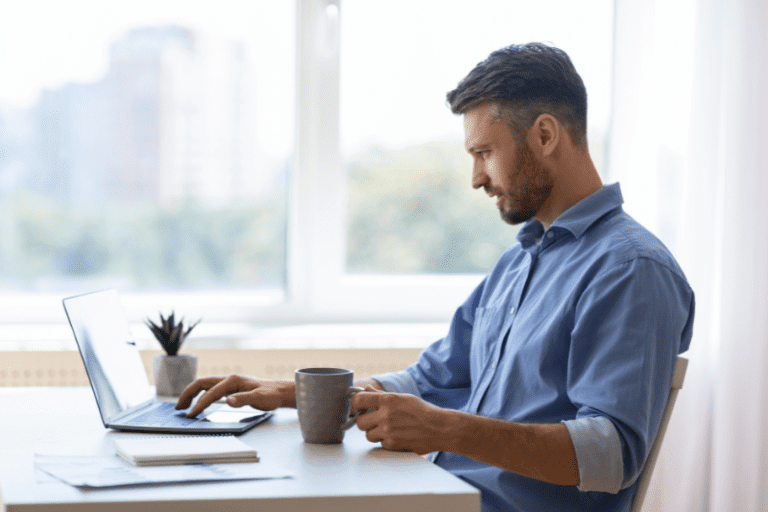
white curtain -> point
(689, 144)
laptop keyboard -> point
(162, 414)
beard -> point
(534, 185)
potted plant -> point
(173, 371)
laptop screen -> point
(112, 361)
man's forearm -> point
(541, 451)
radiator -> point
(65, 368)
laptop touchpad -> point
(231, 415)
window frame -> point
(319, 288)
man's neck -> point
(573, 183)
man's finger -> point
(243, 398)
(373, 435)
(225, 387)
(366, 400)
(367, 420)
(193, 389)
(234, 400)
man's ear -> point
(545, 135)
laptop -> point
(124, 396)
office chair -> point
(645, 477)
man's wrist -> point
(287, 392)
(453, 427)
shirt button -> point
(512, 311)
(493, 366)
(550, 234)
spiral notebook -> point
(170, 450)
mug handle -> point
(352, 419)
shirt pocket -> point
(485, 335)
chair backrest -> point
(645, 477)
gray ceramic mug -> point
(323, 401)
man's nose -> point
(479, 177)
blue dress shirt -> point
(580, 324)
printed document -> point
(111, 471)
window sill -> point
(41, 337)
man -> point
(548, 390)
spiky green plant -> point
(169, 333)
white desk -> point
(353, 476)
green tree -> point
(188, 246)
(413, 210)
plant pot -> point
(174, 373)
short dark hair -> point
(525, 81)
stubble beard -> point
(534, 185)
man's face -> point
(506, 169)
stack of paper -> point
(164, 451)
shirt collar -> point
(579, 217)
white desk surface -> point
(353, 476)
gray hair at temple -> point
(523, 82)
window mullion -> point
(316, 239)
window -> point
(146, 145)
(258, 162)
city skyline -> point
(172, 118)
(49, 43)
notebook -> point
(165, 451)
(124, 396)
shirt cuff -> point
(598, 453)
(398, 382)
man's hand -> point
(401, 422)
(265, 395)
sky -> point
(398, 57)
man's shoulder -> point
(614, 239)
(621, 239)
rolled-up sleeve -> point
(631, 323)
(398, 382)
(598, 453)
